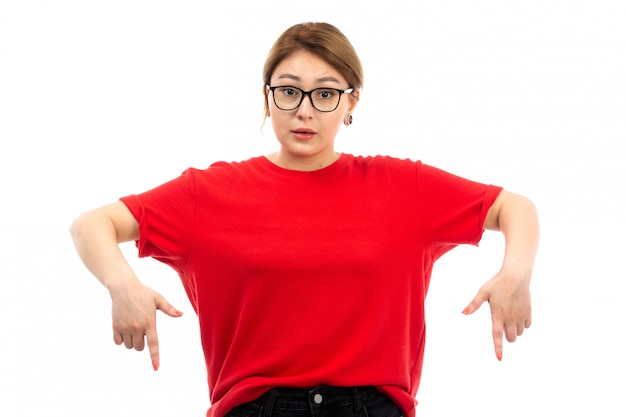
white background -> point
(99, 99)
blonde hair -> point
(322, 39)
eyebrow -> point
(319, 80)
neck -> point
(286, 161)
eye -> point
(289, 91)
(326, 94)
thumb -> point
(167, 308)
(475, 304)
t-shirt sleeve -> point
(165, 215)
(453, 208)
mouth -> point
(303, 133)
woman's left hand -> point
(509, 298)
(508, 292)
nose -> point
(305, 110)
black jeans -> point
(319, 402)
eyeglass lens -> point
(323, 99)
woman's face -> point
(307, 135)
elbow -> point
(529, 208)
(77, 226)
(522, 209)
(510, 207)
(83, 224)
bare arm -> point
(97, 235)
(508, 292)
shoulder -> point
(383, 163)
(225, 170)
(229, 166)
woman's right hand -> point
(97, 235)
(134, 309)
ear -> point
(267, 103)
(353, 98)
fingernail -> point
(466, 311)
(499, 356)
(155, 365)
(179, 313)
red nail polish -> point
(466, 311)
(155, 365)
(499, 356)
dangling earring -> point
(348, 120)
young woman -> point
(308, 268)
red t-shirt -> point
(303, 279)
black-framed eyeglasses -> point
(323, 99)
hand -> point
(134, 316)
(509, 299)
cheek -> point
(331, 126)
(338, 120)
(277, 116)
(278, 120)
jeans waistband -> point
(315, 398)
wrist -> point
(516, 271)
(118, 283)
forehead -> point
(306, 68)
